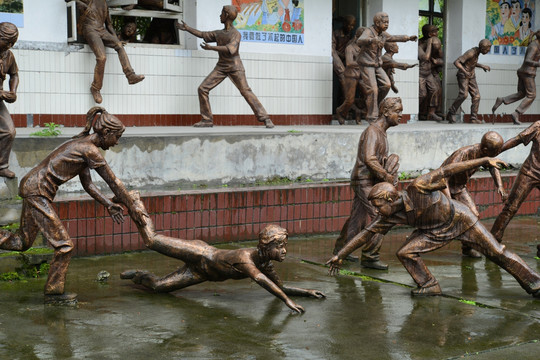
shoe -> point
(451, 118)
(268, 123)
(476, 121)
(377, 264)
(134, 78)
(204, 123)
(340, 118)
(7, 173)
(472, 253)
(498, 103)
(432, 290)
(435, 117)
(96, 94)
(515, 118)
(66, 299)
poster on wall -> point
(510, 25)
(271, 21)
(12, 11)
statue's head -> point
(349, 22)
(391, 109)
(484, 45)
(429, 30)
(381, 21)
(229, 12)
(108, 127)
(273, 242)
(9, 33)
(382, 196)
(491, 143)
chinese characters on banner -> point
(271, 21)
(510, 25)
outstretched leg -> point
(178, 279)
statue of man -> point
(98, 31)
(490, 145)
(340, 40)
(373, 78)
(229, 65)
(8, 66)
(438, 220)
(466, 77)
(526, 89)
(389, 65)
(372, 166)
(430, 58)
(204, 262)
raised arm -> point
(401, 38)
(184, 27)
(456, 168)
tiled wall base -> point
(225, 215)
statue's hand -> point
(9, 96)
(295, 307)
(117, 213)
(413, 38)
(504, 195)
(335, 264)
(206, 46)
(181, 26)
(316, 294)
(496, 163)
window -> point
(431, 12)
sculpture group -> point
(436, 204)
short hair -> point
(360, 31)
(383, 190)
(232, 12)
(105, 121)
(388, 45)
(426, 29)
(502, 2)
(270, 234)
(349, 19)
(378, 16)
(493, 142)
(484, 42)
(388, 104)
(9, 32)
(515, 1)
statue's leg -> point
(25, 236)
(368, 82)
(211, 81)
(113, 42)
(529, 91)
(464, 197)
(383, 84)
(98, 48)
(409, 255)
(7, 135)
(521, 188)
(475, 99)
(54, 231)
(239, 80)
(463, 84)
(178, 279)
(480, 238)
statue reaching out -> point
(466, 77)
(438, 220)
(38, 189)
(204, 262)
(98, 31)
(372, 166)
(373, 78)
(389, 65)
(527, 179)
(229, 65)
(8, 66)
(490, 145)
(526, 84)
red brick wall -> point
(225, 215)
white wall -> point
(44, 20)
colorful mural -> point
(509, 25)
(271, 21)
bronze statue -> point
(340, 40)
(98, 31)
(389, 65)
(490, 145)
(373, 78)
(526, 84)
(350, 78)
(38, 189)
(438, 220)
(229, 65)
(8, 66)
(429, 57)
(207, 263)
(372, 166)
(129, 30)
(527, 179)
(466, 77)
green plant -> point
(294, 131)
(11, 227)
(51, 129)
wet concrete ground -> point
(484, 313)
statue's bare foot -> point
(96, 94)
(268, 123)
(515, 118)
(134, 275)
(204, 123)
(134, 78)
(498, 103)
